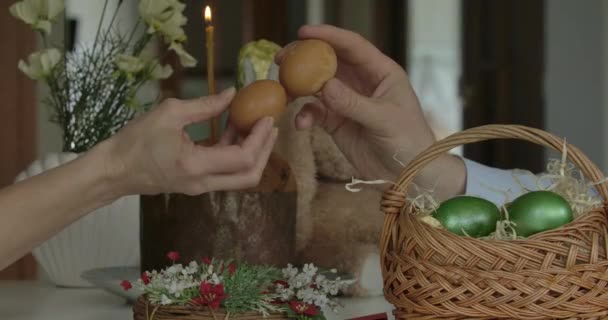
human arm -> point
(151, 155)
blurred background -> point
(472, 62)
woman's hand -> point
(153, 154)
(372, 113)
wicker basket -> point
(144, 310)
(433, 274)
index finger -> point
(204, 108)
(349, 46)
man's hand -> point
(372, 113)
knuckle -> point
(358, 38)
(350, 101)
(189, 168)
(248, 160)
(181, 164)
(194, 189)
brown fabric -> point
(295, 147)
(431, 273)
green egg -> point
(467, 215)
(539, 211)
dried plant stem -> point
(212, 313)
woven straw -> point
(433, 274)
(144, 310)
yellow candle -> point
(210, 69)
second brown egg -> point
(307, 65)
(262, 98)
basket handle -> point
(394, 198)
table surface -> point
(32, 300)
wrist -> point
(446, 176)
(111, 175)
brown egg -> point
(260, 99)
(306, 66)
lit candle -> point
(210, 69)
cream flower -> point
(164, 17)
(133, 65)
(129, 64)
(40, 64)
(38, 13)
(161, 72)
(185, 59)
(172, 29)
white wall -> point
(576, 70)
(88, 13)
(435, 61)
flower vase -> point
(106, 237)
(255, 225)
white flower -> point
(174, 269)
(290, 271)
(307, 295)
(38, 13)
(164, 300)
(286, 295)
(40, 64)
(163, 72)
(132, 65)
(309, 269)
(129, 64)
(321, 300)
(215, 279)
(165, 17)
(173, 287)
(185, 59)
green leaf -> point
(246, 285)
(320, 316)
(260, 54)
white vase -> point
(107, 237)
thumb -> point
(346, 102)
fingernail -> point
(228, 92)
(275, 132)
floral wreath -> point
(238, 288)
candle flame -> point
(207, 14)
